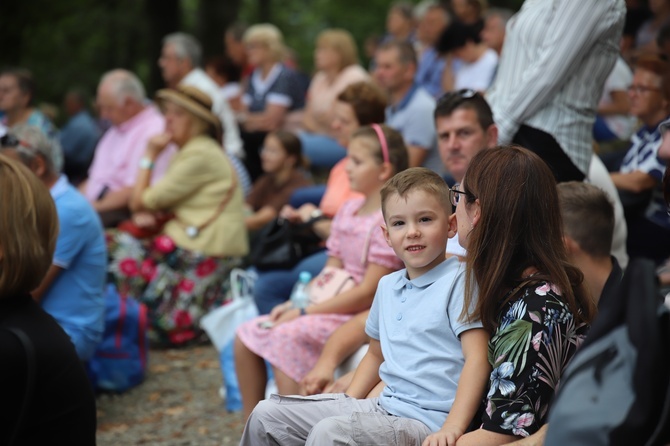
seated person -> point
(641, 172)
(359, 104)
(420, 352)
(270, 94)
(356, 245)
(61, 405)
(178, 273)
(613, 121)
(477, 62)
(17, 103)
(282, 162)
(122, 101)
(337, 66)
(72, 290)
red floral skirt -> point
(178, 286)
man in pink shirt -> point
(121, 100)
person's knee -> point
(329, 429)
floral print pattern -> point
(178, 286)
(535, 339)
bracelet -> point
(146, 163)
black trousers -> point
(547, 148)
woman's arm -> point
(355, 300)
(155, 147)
(260, 218)
(636, 181)
(482, 437)
(366, 376)
(470, 390)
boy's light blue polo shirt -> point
(417, 323)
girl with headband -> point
(291, 339)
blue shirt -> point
(417, 323)
(413, 118)
(429, 72)
(78, 139)
(75, 298)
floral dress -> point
(536, 338)
(178, 286)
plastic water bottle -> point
(300, 293)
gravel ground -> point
(177, 405)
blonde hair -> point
(28, 228)
(342, 42)
(268, 35)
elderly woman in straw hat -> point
(180, 273)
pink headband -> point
(382, 141)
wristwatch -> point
(146, 163)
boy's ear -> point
(571, 246)
(453, 226)
(386, 235)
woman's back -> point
(62, 408)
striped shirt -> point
(556, 58)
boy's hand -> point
(316, 380)
(341, 384)
(446, 436)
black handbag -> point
(281, 245)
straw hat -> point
(192, 99)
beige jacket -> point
(193, 187)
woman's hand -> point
(289, 214)
(144, 219)
(446, 436)
(157, 144)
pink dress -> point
(295, 346)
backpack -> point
(615, 391)
(119, 362)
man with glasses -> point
(640, 176)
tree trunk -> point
(264, 11)
(162, 18)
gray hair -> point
(185, 46)
(124, 84)
(33, 143)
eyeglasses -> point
(455, 194)
(639, 89)
(455, 98)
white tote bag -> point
(221, 323)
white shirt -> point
(231, 135)
(556, 57)
(477, 75)
(619, 79)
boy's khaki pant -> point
(329, 419)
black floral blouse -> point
(535, 340)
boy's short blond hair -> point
(417, 178)
(28, 229)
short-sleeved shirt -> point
(429, 72)
(119, 151)
(418, 325)
(350, 232)
(619, 79)
(537, 335)
(75, 299)
(276, 89)
(266, 193)
(643, 156)
(413, 118)
(477, 75)
(79, 137)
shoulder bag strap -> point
(31, 369)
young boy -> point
(418, 347)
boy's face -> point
(417, 228)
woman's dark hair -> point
(292, 146)
(520, 226)
(225, 67)
(367, 100)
